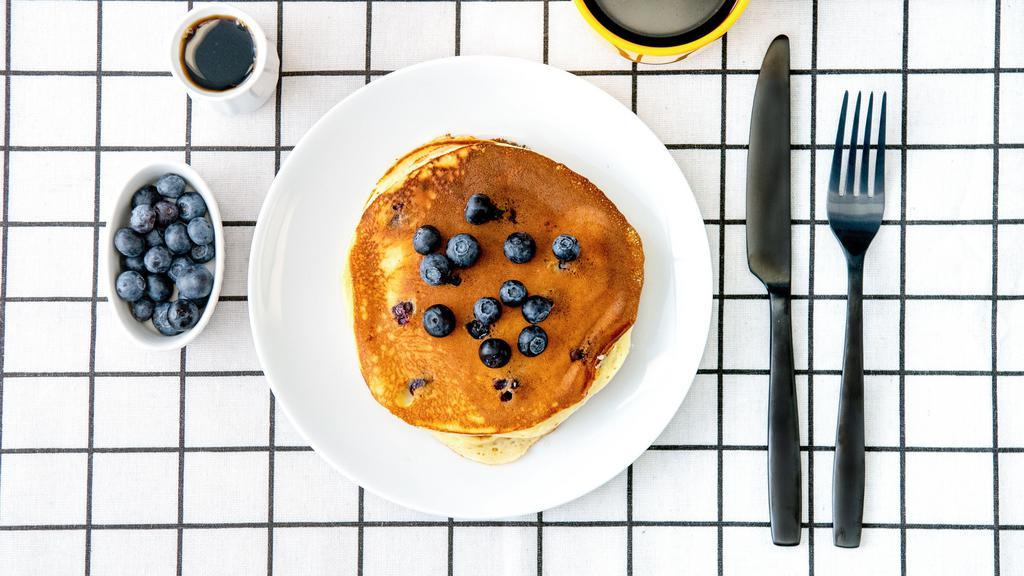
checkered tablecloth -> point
(119, 461)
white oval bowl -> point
(143, 333)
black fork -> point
(854, 217)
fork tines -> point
(837, 155)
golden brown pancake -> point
(595, 297)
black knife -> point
(768, 255)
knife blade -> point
(768, 178)
(769, 258)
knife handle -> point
(848, 469)
(784, 490)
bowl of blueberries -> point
(165, 262)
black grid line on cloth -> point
(870, 372)
(451, 545)
(495, 524)
(653, 447)
(883, 297)
(544, 56)
(271, 450)
(727, 371)
(546, 25)
(451, 524)
(707, 221)
(95, 287)
(183, 379)
(6, 203)
(720, 360)
(810, 291)
(581, 72)
(272, 401)
(458, 30)
(301, 1)
(359, 528)
(670, 146)
(367, 69)
(903, 292)
(629, 469)
(137, 373)
(182, 386)
(995, 291)
(360, 491)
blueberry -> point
(519, 247)
(506, 396)
(130, 286)
(160, 319)
(182, 315)
(154, 238)
(158, 259)
(402, 312)
(159, 287)
(195, 283)
(191, 205)
(512, 293)
(128, 243)
(536, 309)
(415, 384)
(200, 230)
(532, 341)
(495, 353)
(566, 248)
(435, 269)
(477, 329)
(166, 213)
(176, 238)
(438, 320)
(178, 266)
(426, 239)
(170, 185)
(142, 309)
(480, 209)
(160, 311)
(462, 250)
(142, 219)
(487, 310)
(203, 254)
(135, 263)
(145, 195)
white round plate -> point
(298, 309)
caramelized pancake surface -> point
(595, 297)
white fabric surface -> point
(116, 461)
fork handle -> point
(848, 470)
(784, 490)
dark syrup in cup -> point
(218, 53)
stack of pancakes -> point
(595, 297)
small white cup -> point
(257, 88)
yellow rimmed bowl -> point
(660, 49)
